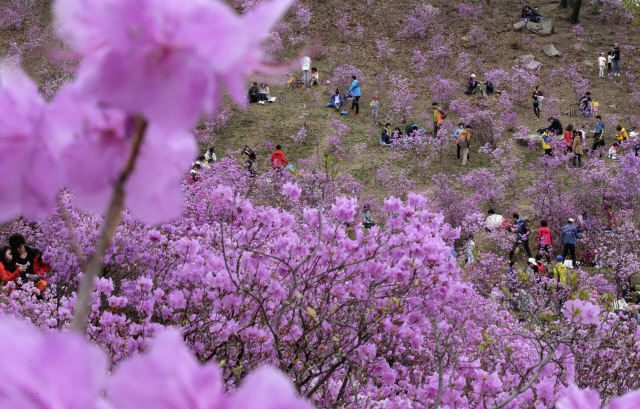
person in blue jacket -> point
(355, 92)
(569, 234)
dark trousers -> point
(436, 128)
(569, 248)
(579, 159)
(536, 109)
(609, 68)
(525, 244)
(547, 152)
(545, 251)
(356, 103)
(597, 144)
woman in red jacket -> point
(544, 240)
(568, 138)
(8, 269)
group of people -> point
(21, 261)
(611, 61)
(354, 92)
(259, 94)
(474, 86)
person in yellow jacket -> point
(622, 134)
(546, 139)
(560, 271)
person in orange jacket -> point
(8, 269)
(277, 158)
(31, 257)
(438, 115)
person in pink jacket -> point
(544, 240)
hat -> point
(559, 258)
(601, 53)
(473, 75)
(532, 261)
(375, 97)
(571, 220)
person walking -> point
(465, 143)
(569, 234)
(537, 101)
(578, 148)
(522, 231)
(616, 60)
(278, 159)
(354, 91)
(544, 240)
(306, 66)
(598, 137)
(438, 116)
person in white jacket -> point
(306, 66)
(602, 62)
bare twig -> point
(72, 232)
(111, 221)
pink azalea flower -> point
(576, 398)
(164, 59)
(94, 145)
(582, 311)
(31, 179)
(268, 388)
(58, 370)
(168, 377)
(291, 189)
(630, 400)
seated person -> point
(555, 127)
(410, 129)
(613, 150)
(397, 134)
(263, 93)
(526, 10)
(365, 216)
(493, 221)
(195, 173)
(210, 155)
(253, 93)
(30, 257)
(472, 84)
(489, 86)
(385, 138)
(585, 105)
(535, 17)
(9, 271)
(336, 100)
(315, 78)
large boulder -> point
(540, 28)
(519, 25)
(533, 139)
(551, 51)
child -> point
(609, 61)
(315, 78)
(612, 152)
(471, 246)
(601, 63)
(622, 134)
(374, 108)
(456, 135)
(594, 104)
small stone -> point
(533, 65)
(612, 106)
(588, 63)
(465, 39)
(525, 57)
(551, 50)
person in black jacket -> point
(28, 256)
(555, 126)
(526, 10)
(253, 93)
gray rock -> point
(519, 25)
(612, 106)
(465, 39)
(588, 63)
(525, 57)
(534, 139)
(551, 51)
(532, 65)
(540, 28)
(431, 9)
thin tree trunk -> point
(576, 12)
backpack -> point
(524, 229)
(443, 114)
